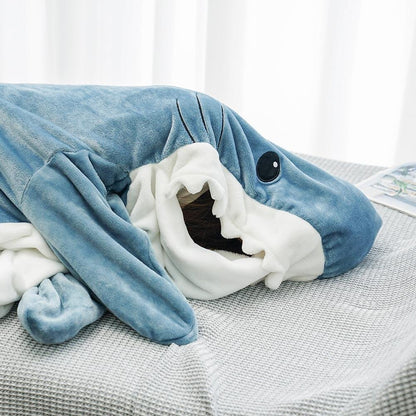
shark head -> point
(295, 221)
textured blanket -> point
(344, 347)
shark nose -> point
(352, 229)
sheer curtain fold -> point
(331, 77)
(406, 143)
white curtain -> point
(335, 78)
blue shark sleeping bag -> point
(93, 183)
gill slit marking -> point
(183, 121)
(222, 125)
(201, 112)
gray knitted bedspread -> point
(343, 346)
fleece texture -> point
(66, 163)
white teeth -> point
(191, 186)
(194, 186)
(197, 185)
(219, 207)
(216, 190)
(228, 230)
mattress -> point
(341, 346)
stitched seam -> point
(68, 152)
(118, 180)
(37, 170)
(183, 121)
(107, 187)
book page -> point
(394, 187)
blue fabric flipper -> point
(57, 309)
(72, 200)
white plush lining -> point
(282, 246)
(25, 260)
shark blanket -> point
(94, 185)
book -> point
(394, 188)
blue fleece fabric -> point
(57, 309)
(66, 155)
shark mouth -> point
(203, 227)
(236, 241)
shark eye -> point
(268, 167)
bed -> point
(342, 346)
